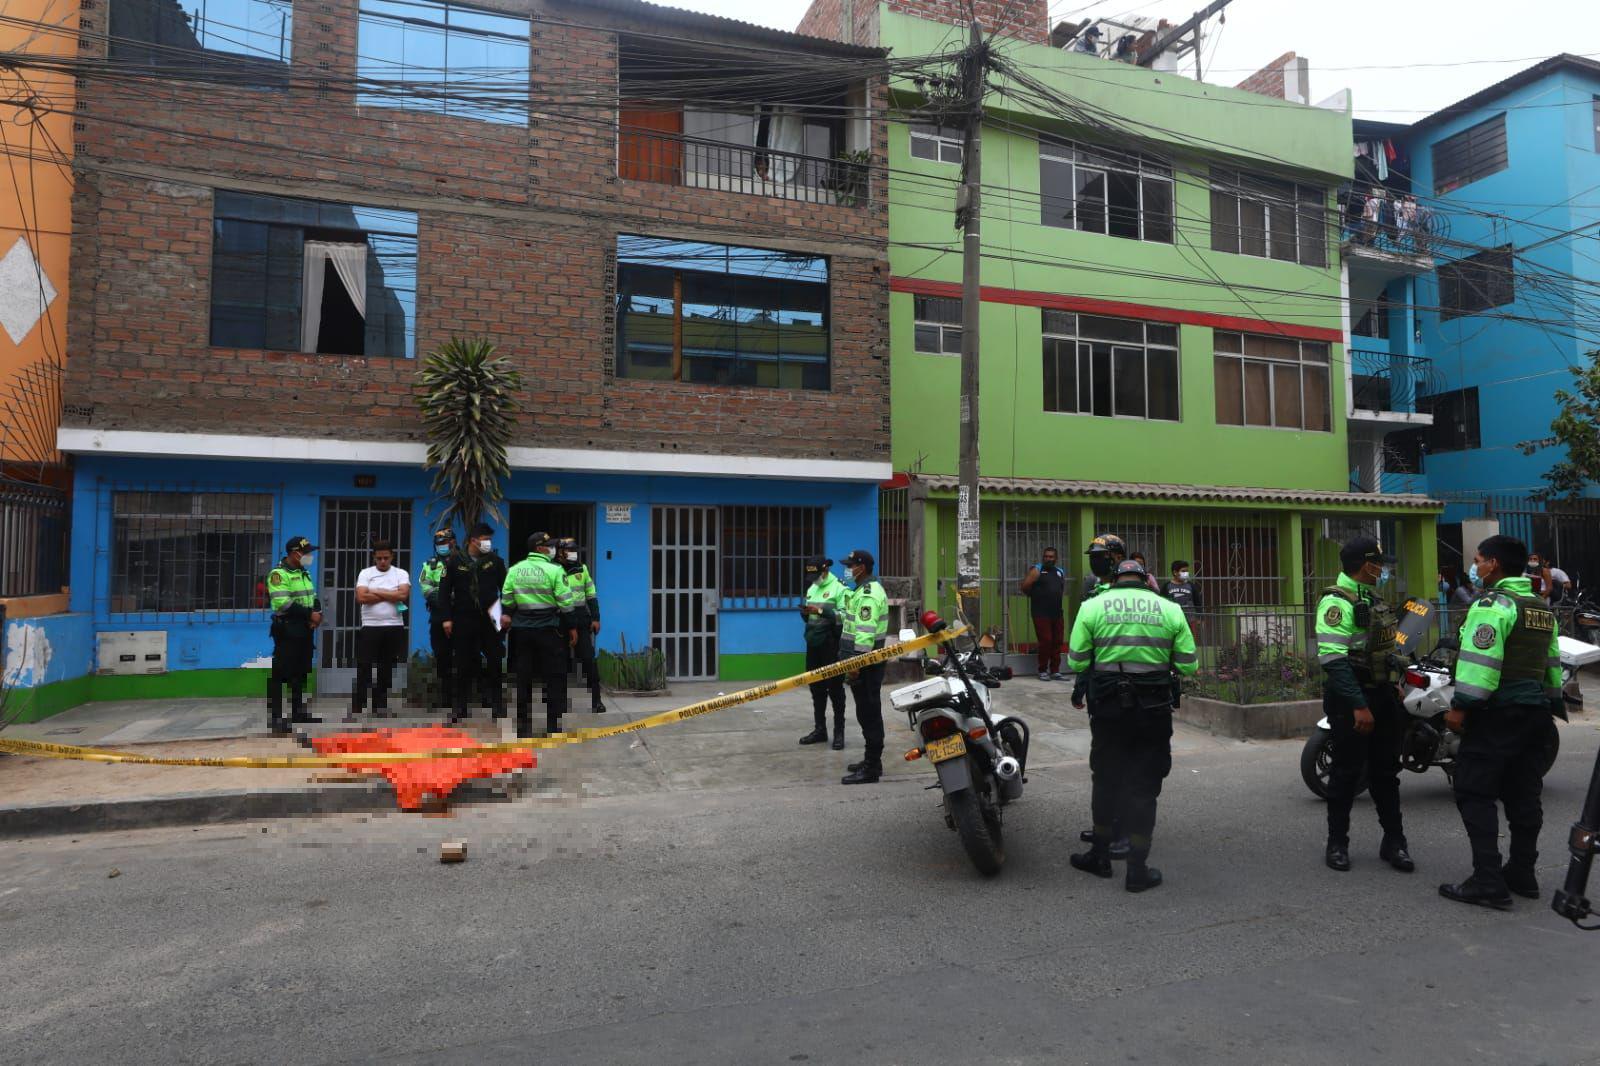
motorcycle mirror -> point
(931, 621)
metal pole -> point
(968, 204)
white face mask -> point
(1183, 575)
(486, 546)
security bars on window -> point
(764, 550)
(186, 552)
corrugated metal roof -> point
(1155, 493)
(724, 24)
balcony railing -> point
(701, 164)
(1383, 382)
(1415, 230)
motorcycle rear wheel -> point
(1316, 759)
(1552, 747)
(978, 825)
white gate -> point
(684, 595)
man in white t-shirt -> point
(382, 590)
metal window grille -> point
(894, 543)
(185, 552)
(33, 539)
(764, 550)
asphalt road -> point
(798, 924)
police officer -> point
(824, 599)
(865, 610)
(470, 585)
(585, 616)
(1130, 640)
(444, 545)
(296, 614)
(1355, 645)
(539, 603)
(1508, 685)
(1106, 552)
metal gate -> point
(349, 528)
(683, 589)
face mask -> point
(486, 546)
(307, 562)
(1100, 563)
(1383, 575)
(441, 550)
(1472, 573)
(1183, 575)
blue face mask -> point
(441, 549)
(1472, 573)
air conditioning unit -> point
(143, 652)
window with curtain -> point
(258, 33)
(1268, 218)
(1101, 190)
(1272, 381)
(308, 276)
(1110, 367)
(418, 55)
(720, 314)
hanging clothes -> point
(1381, 160)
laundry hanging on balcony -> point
(349, 263)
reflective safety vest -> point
(1510, 648)
(432, 571)
(827, 592)
(290, 586)
(865, 610)
(537, 593)
(1129, 629)
(584, 597)
(1353, 624)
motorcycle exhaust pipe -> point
(1007, 768)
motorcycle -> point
(980, 755)
(1586, 620)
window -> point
(183, 552)
(454, 60)
(1110, 367)
(720, 315)
(1267, 218)
(1477, 283)
(168, 33)
(1104, 191)
(764, 550)
(303, 276)
(1455, 420)
(1373, 320)
(938, 325)
(1272, 381)
(1475, 152)
(937, 143)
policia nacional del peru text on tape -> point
(577, 736)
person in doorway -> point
(1507, 692)
(866, 627)
(540, 612)
(296, 614)
(444, 545)
(382, 591)
(1182, 591)
(585, 616)
(468, 591)
(1045, 585)
(822, 613)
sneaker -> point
(1044, 676)
(1055, 676)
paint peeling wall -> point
(43, 651)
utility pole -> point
(968, 211)
(1170, 38)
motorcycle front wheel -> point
(978, 825)
(1552, 747)
(1316, 759)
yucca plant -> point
(468, 399)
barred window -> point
(764, 550)
(186, 552)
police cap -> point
(538, 540)
(817, 564)
(1107, 542)
(299, 544)
(859, 558)
(1358, 550)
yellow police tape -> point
(577, 736)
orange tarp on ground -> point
(414, 781)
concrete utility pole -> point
(968, 209)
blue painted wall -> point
(620, 555)
(44, 651)
(1551, 186)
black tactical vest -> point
(1527, 651)
(1378, 623)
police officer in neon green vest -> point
(865, 611)
(538, 604)
(296, 614)
(825, 596)
(585, 616)
(1508, 687)
(1356, 648)
(1129, 640)
(444, 545)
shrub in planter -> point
(633, 669)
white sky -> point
(1338, 38)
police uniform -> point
(1355, 647)
(431, 574)
(1129, 640)
(865, 613)
(293, 599)
(541, 601)
(585, 612)
(1508, 684)
(468, 587)
(823, 629)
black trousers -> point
(291, 663)
(1130, 754)
(540, 653)
(1377, 753)
(476, 650)
(1502, 756)
(824, 692)
(443, 664)
(583, 651)
(867, 690)
(380, 647)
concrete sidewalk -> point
(750, 746)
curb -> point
(240, 805)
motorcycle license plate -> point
(951, 747)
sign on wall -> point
(619, 514)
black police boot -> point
(818, 735)
(1097, 860)
(1119, 847)
(1393, 852)
(1481, 890)
(304, 717)
(596, 706)
(854, 766)
(838, 735)
(1140, 877)
(1337, 857)
(279, 727)
(1520, 879)
(866, 773)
